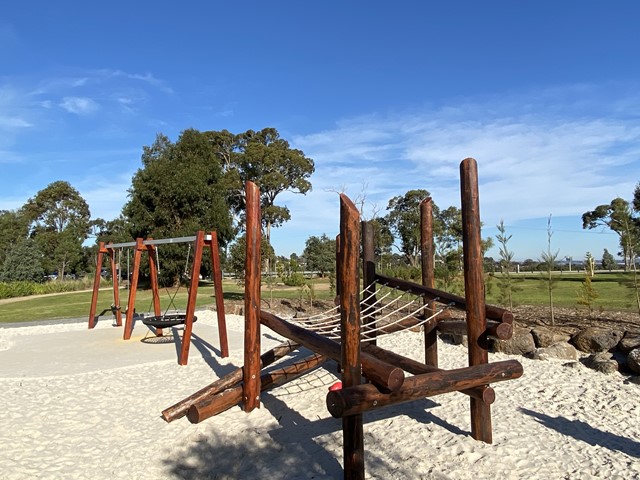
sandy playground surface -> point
(79, 403)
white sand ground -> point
(79, 403)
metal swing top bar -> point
(160, 241)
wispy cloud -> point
(544, 152)
(79, 105)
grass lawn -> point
(613, 292)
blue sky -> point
(384, 97)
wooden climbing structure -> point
(372, 377)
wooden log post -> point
(481, 428)
(361, 398)
(192, 297)
(133, 287)
(216, 275)
(96, 285)
(428, 277)
(251, 377)
(387, 377)
(352, 425)
(368, 279)
(228, 398)
(179, 409)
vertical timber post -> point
(133, 287)
(369, 277)
(216, 275)
(96, 286)
(474, 290)
(428, 278)
(192, 297)
(252, 271)
(352, 425)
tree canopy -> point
(59, 220)
(618, 216)
(268, 160)
(320, 254)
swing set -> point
(162, 320)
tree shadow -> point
(583, 431)
(296, 447)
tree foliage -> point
(403, 221)
(617, 216)
(268, 160)
(608, 262)
(59, 220)
(23, 262)
(238, 255)
(179, 190)
(14, 227)
(320, 254)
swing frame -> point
(199, 241)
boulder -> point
(454, 339)
(601, 362)
(633, 361)
(596, 339)
(559, 350)
(545, 336)
(521, 343)
(629, 342)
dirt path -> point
(29, 297)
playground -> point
(85, 402)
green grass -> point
(612, 295)
(614, 292)
(77, 304)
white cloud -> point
(535, 157)
(79, 105)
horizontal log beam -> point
(503, 331)
(228, 398)
(179, 410)
(492, 312)
(388, 377)
(484, 392)
(361, 398)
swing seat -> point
(166, 321)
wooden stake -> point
(251, 377)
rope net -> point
(379, 313)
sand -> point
(79, 403)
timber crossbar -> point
(365, 397)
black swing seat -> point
(166, 321)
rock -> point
(521, 343)
(545, 337)
(629, 342)
(560, 350)
(595, 339)
(633, 360)
(601, 362)
(454, 339)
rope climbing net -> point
(380, 312)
